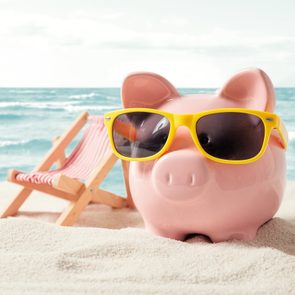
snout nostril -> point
(193, 179)
(190, 180)
(169, 178)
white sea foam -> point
(82, 96)
(24, 142)
(98, 108)
(28, 91)
(37, 105)
(12, 143)
(69, 106)
(113, 98)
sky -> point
(70, 43)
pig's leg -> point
(245, 235)
(166, 233)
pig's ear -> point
(146, 90)
(253, 88)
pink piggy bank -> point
(183, 192)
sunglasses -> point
(229, 135)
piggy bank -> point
(182, 192)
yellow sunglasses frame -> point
(270, 121)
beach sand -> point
(94, 257)
(40, 206)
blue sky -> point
(56, 43)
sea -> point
(31, 117)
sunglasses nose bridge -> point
(184, 133)
(183, 120)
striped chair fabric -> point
(85, 157)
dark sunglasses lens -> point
(140, 134)
(230, 135)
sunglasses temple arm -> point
(281, 128)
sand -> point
(109, 252)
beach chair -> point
(91, 160)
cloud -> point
(75, 46)
(88, 30)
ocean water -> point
(30, 118)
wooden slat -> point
(108, 198)
(71, 214)
(67, 184)
(44, 188)
(18, 200)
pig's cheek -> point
(231, 177)
(278, 180)
(141, 171)
(279, 157)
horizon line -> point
(111, 87)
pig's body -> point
(183, 192)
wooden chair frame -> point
(79, 194)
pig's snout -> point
(180, 175)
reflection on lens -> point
(231, 135)
(140, 134)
